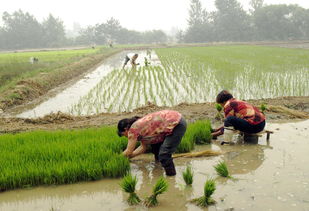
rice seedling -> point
(219, 115)
(206, 200)
(159, 188)
(221, 169)
(188, 175)
(199, 132)
(263, 107)
(60, 157)
(128, 185)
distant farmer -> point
(239, 114)
(33, 60)
(132, 60)
(146, 62)
(148, 53)
(162, 130)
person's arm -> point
(139, 150)
(130, 147)
(219, 128)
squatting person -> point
(239, 114)
(163, 130)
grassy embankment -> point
(59, 157)
(21, 81)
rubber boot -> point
(170, 169)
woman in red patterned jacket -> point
(239, 114)
(163, 130)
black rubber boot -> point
(170, 169)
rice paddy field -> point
(61, 157)
(197, 74)
(91, 158)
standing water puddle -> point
(267, 177)
(64, 100)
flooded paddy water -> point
(63, 100)
(267, 177)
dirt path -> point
(279, 109)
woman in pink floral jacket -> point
(163, 130)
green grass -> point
(206, 200)
(128, 185)
(187, 175)
(159, 188)
(41, 157)
(221, 169)
(16, 66)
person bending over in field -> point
(132, 60)
(239, 114)
(162, 130)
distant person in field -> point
(148, 53)
(132, 60)
(33, 60)
(239, 114)
(162, 130)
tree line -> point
(21, 30)
(230, 22)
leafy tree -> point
(198, 20)
(256, 4)
(231, 21)
(21, 30)
(87, 36)
(54, 32)
(154, 36)
(282, 22)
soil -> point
(278, 109)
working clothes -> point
(154, 127)
(243, 110)
(243, 125)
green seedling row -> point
(60, 157)
(197, 74)
(41, 157)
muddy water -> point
(272, 176)
(62, 101)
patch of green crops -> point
(41, 157)
(198, 132)
(249, 72)
(15, 66)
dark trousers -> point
(242, 125)
(163, 151)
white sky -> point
(133, 14)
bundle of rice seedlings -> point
(219, 115)
(128, 185)
(221, 169)
(204, 153)
(188, 175)
(209, 189)
(159, 188)
(263, 107)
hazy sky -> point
(132, 14)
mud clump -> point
(58, 117)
